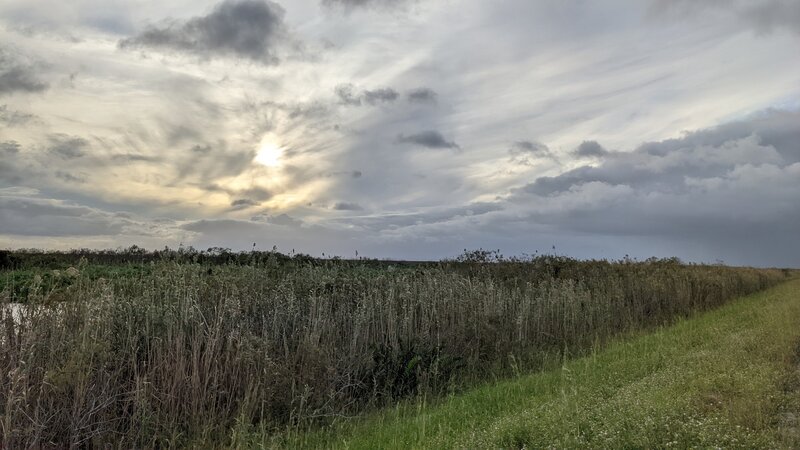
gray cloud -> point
(306, 111)
(257, 193)
(209, 162)
(422, 95)
(732, 189)
(426, 216)
(770, 15)
(763, 16)
(281, 219)
(177, 134)
(9, 147)
(772, 128)
(43, 217)
(349, 95)
(68, 147)
(428, 139)
(666, 170)
(243, 197)
(590, 149)
(32, 219)
(243, 203)
(222, 225)
(348, 173)
(350, 4)
(70, 177)
(383, 95)
(527, 152)
(528, 147)
(17, 75)
(251, 29)
(347, 206)
(133, 157)
(13, 118)
(266, 231)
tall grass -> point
(183, 353)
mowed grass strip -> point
(723, 379)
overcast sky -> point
(404, 129)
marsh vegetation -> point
(181, 348)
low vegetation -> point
(182, 348)
(728, 379)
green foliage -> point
(19, 285)
(726, 379)
(185, 348)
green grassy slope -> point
(728, 378)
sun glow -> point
(269, 154)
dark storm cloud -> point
(68, 147)
(428, 139)
(590, 149)
(17, 75)
(349, 95)
(347, 206)
(251, 29)
(422, 95)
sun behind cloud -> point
(269, 153)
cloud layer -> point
(410, 129)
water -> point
(16, 310)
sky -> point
(405, 129)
